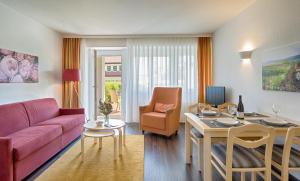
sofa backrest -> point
(13, 117)
(41, 110)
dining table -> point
(211, 130)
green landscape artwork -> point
(283, 73)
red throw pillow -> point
(162, 108)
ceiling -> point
(130, 17)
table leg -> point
(207, 174)
(82, 147)
(188, 152)
(100, 143)
(115, 147)
(120, 141)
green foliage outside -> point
(112, 85)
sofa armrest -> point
(71, 111)
(6, 159)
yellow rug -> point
(99, 164)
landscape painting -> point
(281, 69)
(18, 67)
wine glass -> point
(275, 109)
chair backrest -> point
(113, 96)
(266, 137)
(197, 107)
(292, 137)
(224, 107)
(167, 95)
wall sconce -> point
(245, 55)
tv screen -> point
(215, 95)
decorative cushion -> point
(162, 108)
(242, 157)
(196, 133)
(277, 155)
(154, 120)
(67, 122)
(33, 138)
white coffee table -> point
(117, 128)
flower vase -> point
(106, 121)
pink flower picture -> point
(18, 67)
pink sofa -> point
(31, 132)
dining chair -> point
(196, 136)
(195, 108)
(239, 155)
(285, 158)
(224, 107)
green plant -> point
(112, 85)
(105, 107)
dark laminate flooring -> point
(164, 158)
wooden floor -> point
(164, 158)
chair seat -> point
(196, 133)
(154, 120)
(277, 155)
(67, 122)
(242, 157)
(31, 139)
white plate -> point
(274, 121)
(209, 113)
(228, 121)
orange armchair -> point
(162, 123)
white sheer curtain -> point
(169, 62)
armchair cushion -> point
(162, 108)
(154, 120)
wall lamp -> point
(246, 55)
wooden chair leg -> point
(253, 176)
(192, 148)
(243, 176)
(199, 156)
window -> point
(115, 68)
(108, 68)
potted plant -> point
(105, 108)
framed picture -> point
(281, 68)
(16, 67)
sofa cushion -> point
(13, 117)
(41, 110)
(31, 139)
(154, 120)
(67, 122)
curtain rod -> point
(140, 36)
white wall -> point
(264, 25)
(22, 34)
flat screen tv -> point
(215, 95)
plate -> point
(209, 113)
(274, 121)
(228, 121)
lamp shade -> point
(71, 75)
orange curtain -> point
(204, 56)
(71, 60)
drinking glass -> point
(275, 109)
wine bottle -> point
(240, 109)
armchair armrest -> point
(144, 109)
(6, 159)
(71, 111)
